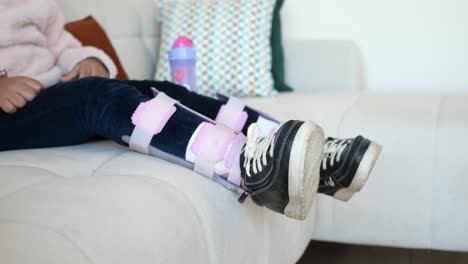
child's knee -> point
(85, 85)
(91, 81)
(96, 90)
(99, 87)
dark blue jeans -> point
(74, 112)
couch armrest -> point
(318, 65)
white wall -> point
(407, 45)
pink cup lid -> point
(182, 41)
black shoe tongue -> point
(336, 164)
(283, 140)
(255, 180)
(243, 169)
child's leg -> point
(68, 114)
(339, 178)
(207, 106)
(280, 172)
(73, 112)
(210, 107)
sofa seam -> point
(33, 167)
(24, 188)
(347, 111)
(208, 243)
(53, 176)
(338, 133)
(56, 231)
(105, 162)
(435, 166)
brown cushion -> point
(90, 33)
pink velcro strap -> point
(232, 114)
(149, 119)
(210, 147)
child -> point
(54, 92)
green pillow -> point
(277, 69)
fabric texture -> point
(204, 105)
(40, 49)
(74, 112)
(101, 203)
(232, 39)
(277, 50)
(90, 33)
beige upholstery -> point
(416, 196)
(99, 203)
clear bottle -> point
(182, 58)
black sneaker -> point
(346, 166)
(282, 171)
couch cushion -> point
(416, 195)
(102, 203)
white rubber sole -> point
(362, 174)
(304, 170)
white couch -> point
(100, 203)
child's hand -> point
(16, 92)
(87, 68)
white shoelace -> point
(333, 150)
(256, 149)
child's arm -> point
(16, 92)
(69, 51)
(86, 68)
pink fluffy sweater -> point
(33, 42)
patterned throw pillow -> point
(232, 39)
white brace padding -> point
(210, 147)
(149, 119)
(234, 176)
